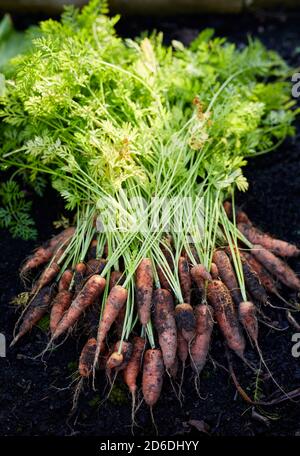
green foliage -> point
(100, 115)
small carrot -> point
(252, 282)
(276, 266)
(87, 358)
(185, 279)
(153, 371)
(276, 246)
(131, 371)
(36, 310)
(214, 271)
(65, 280)
(186, 321)
(225, 313)
(61, 303)
(120, 360)
(85, 298)
(94, 266)
(133, 367)
(46, 277)
(114, 303)
(247, 315)
(78, 277)
(44, 253)
(264, 276)
(165, 325)
(201, 343)
(227, 275)
(200, 275)
(116, 278)
(144, 289)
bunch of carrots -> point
(155, 134)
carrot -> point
(174, 368)
(44, 253)
(78, 278)
(228, 209)
(247, 315)
(185, 320)
(65, 280)
(201, 342)
(133, 367)
(265, 278)
(214, 271)
(153, 370)
(144, 289)
(200, 276)
(164, 283)
(39, 257)
(227, 275)
(95, 266)
(116, 278)
(87, 358)
(276, 266)
(90, 292)
(92, 250)
(114, 303)
(165, 324)
(278, 247)
(252, 282)
(182, 347)
(225, 313)
(117, 360)
(61, 303)
(36, 310)
(185, 279)
(46, 277)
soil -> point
(36, 394)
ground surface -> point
(30, 400)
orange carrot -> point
(165, 325)
(46, 277)
(44, 253)
(61, 303)
(185, 279)
(133, 367)
(278, 247)
(214, 271)
(144, 289)
(118, 360)
(116, 278)
(185, 320)
(85, 298)
(65, 280)
(182, 347)
(247, 314)
(276, 266)
(227, 275)
(252, 283)
(36, 310)
(153, 370)
(87, 358)
(264, 276)
(114, 303)
(200, 275)
(201, 343)
(225, 313)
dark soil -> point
(34, 398)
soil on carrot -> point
(36, 394)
